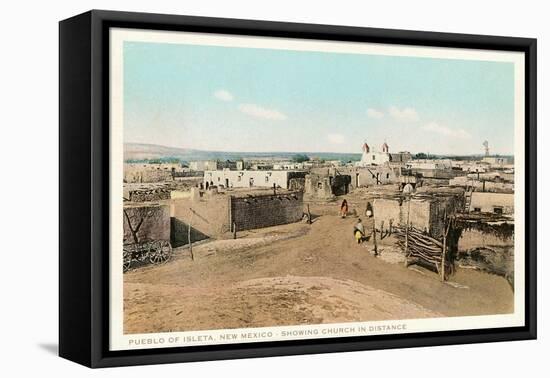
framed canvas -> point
(235, 188)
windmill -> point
(486, 145)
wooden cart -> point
(149, 251)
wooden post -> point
(274, 189)
(444, 253)
(382, 230)
(407, 234)
(308, 215)
(444, 246)
(234, 230)
(189, 235)
(443, 258)
(374, 238)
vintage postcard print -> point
(267, 189)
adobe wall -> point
(471, 239)
(154, 219)
(149, 195)
(425, 215)
(297, 184)
(146, 175)
(341, 185)
(266, 210)
(247, 178)
(209, 217)
(370, 176)
(486, 202)
(377, 176)
(479, 185)
(385, 210)
(436, 173)
(318, 186)
(488, 252)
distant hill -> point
(143, 151)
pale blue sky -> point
(260, 100)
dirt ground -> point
(299, 274)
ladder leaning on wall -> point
(468, 198)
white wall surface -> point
(29, 142)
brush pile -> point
(420, 246)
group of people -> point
(358, 228)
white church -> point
(371, 157)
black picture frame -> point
(84, 187)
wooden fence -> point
(423, 249)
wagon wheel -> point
(126, 258)
(142, 251)
(160, 252)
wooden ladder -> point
(468, 199)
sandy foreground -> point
(298, 274)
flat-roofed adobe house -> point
(497, 203)
(248, 178)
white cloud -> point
(373, 113)
(261, 112)
(336, 138)
(446, 131)
(223, 95)
(404, 114)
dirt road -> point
(297, 274)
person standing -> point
(344, 209)
(359, 231)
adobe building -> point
(326, 183)
(203, 165)
(430, 164)
(371, 176)
(212, 165)
(496, 203)
(248, 178)
(148, 173)
(483, 185)
(426, 213)
(363, 176)
(318, 187)
(497, 161)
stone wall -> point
(266, 210)
(148, 221)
